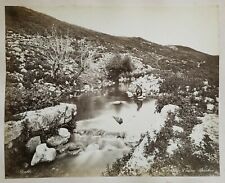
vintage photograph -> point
(111, 91)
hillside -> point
(49, 62)
(24, 21)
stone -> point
(208, 99)
(205, 82)
(20, 85)
(210, 107)
(63, 132)
(52, 88)
(10, 145)
(69, 147)
(74, 152)
(118, 102)
(33, 143)
(72, 146)
(43, 154)
(26, 165)
(42, 119)
(17, 49)
(56, 140)
(167, 109)
(130, 94)
(172, 146)
(195, 93)
(50, 116)
(23, 70)
(217, 99)
(118, 119)
(87, 88)
(178, 129)
(13, 129)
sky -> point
(193, 26)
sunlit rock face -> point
(43, 154)
(41, 119)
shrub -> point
(20, 99)
(117, 166)
(117, 66)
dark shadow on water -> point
(91, 105)
(139, 103)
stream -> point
(104, 139)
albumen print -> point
(111, 91)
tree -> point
(117, 66)
(60, 51)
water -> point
(136, 119)
(103, 138)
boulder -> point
(69, 147)
(118, 102)
(210, 107)
(167, 109)
(23, 70)
(130, 94)
(118, 119)
(74, 152)
(43, 119)
(50, 117)
(33, 143)
(43, 154)
(208, 99)
(13, 129)
(63, 132)
(178, 129)
(57, 140)
(172, 146)
(17, 49)
(217, 99)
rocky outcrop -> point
(138, 163)
(50, 116)
(43, 119)
(149, 85)
(209, 126)
(43, 154)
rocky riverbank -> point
(36, 131)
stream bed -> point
(104, 139)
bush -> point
(19, 100)
(117, 166)
(117, 66)
(173, 84)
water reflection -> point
(139, 103)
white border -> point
(221, 3)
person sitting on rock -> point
(138, 91)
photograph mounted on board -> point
(111, 91)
